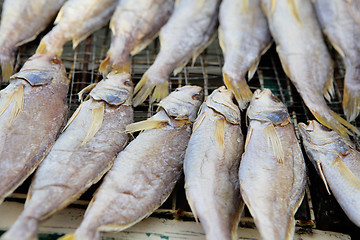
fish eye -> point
(55, 60)
(275, 99)
(128, 83)
(176, 90)
(196, 97)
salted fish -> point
(340, 20)
(272, 170)
(190, 29)
(244, 36)
(76, 20)
(305, 57)
(338, 164)
(21, 22)
(134, 25)
(83, 153)
(211, 166)
(146, 171)
(32, 111)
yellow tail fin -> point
(67, 237)
(351, 104)
(333, 121)
(7, 68)
(240, 89)
(43, 48)
(144, 88)
(109, 63)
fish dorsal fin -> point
(248, 137)
(17, 95)
(59, 16)
(274, 139)
(318, 164)
(96, 122)
(198, 122)
(220, 132)
(294, 10)
(75, 114)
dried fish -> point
(76, 20)
(338, 164)
(134, 25)
(211, 166)
(305, 58)
(272, 170)
(190, 29)
(32, 110)
(145, 172)
(21, 22)
(83, 153)
(340, 21)
(244, 36)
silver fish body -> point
(32, 111)
(272, 170)
(75, 162)
(211, 166)
(340, 21)
(134, 25)
(21, 22)
(305, 57)
(338, 163)
(244, 36)
(188, 32)
(145, 172)
(76, 20)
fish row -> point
(86, 149)
(186, 28)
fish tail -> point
(67, 237)
(160, 91)
(240, 89)
(351, 98)
(144, 88)
(7, 66)
(119, 67)
(351, 103)
(333, 121)
(43, 48)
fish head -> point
(183, 103)
(320, 140)
(266, 107)
(41, 69)
(116, 89)
(223, 101)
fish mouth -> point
(259, 94)
(305, 130)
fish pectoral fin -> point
(96, 122)
(248, 137)
(220, 133)
(198, 122)
(323, 176)
(114, 227)
(86, 90)
(240, 89)
(274, 139)
(59, 16)
(294, 10)
(346, 173)
(18, 104)
(272, 7)
(143, 125)
(245, 6)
